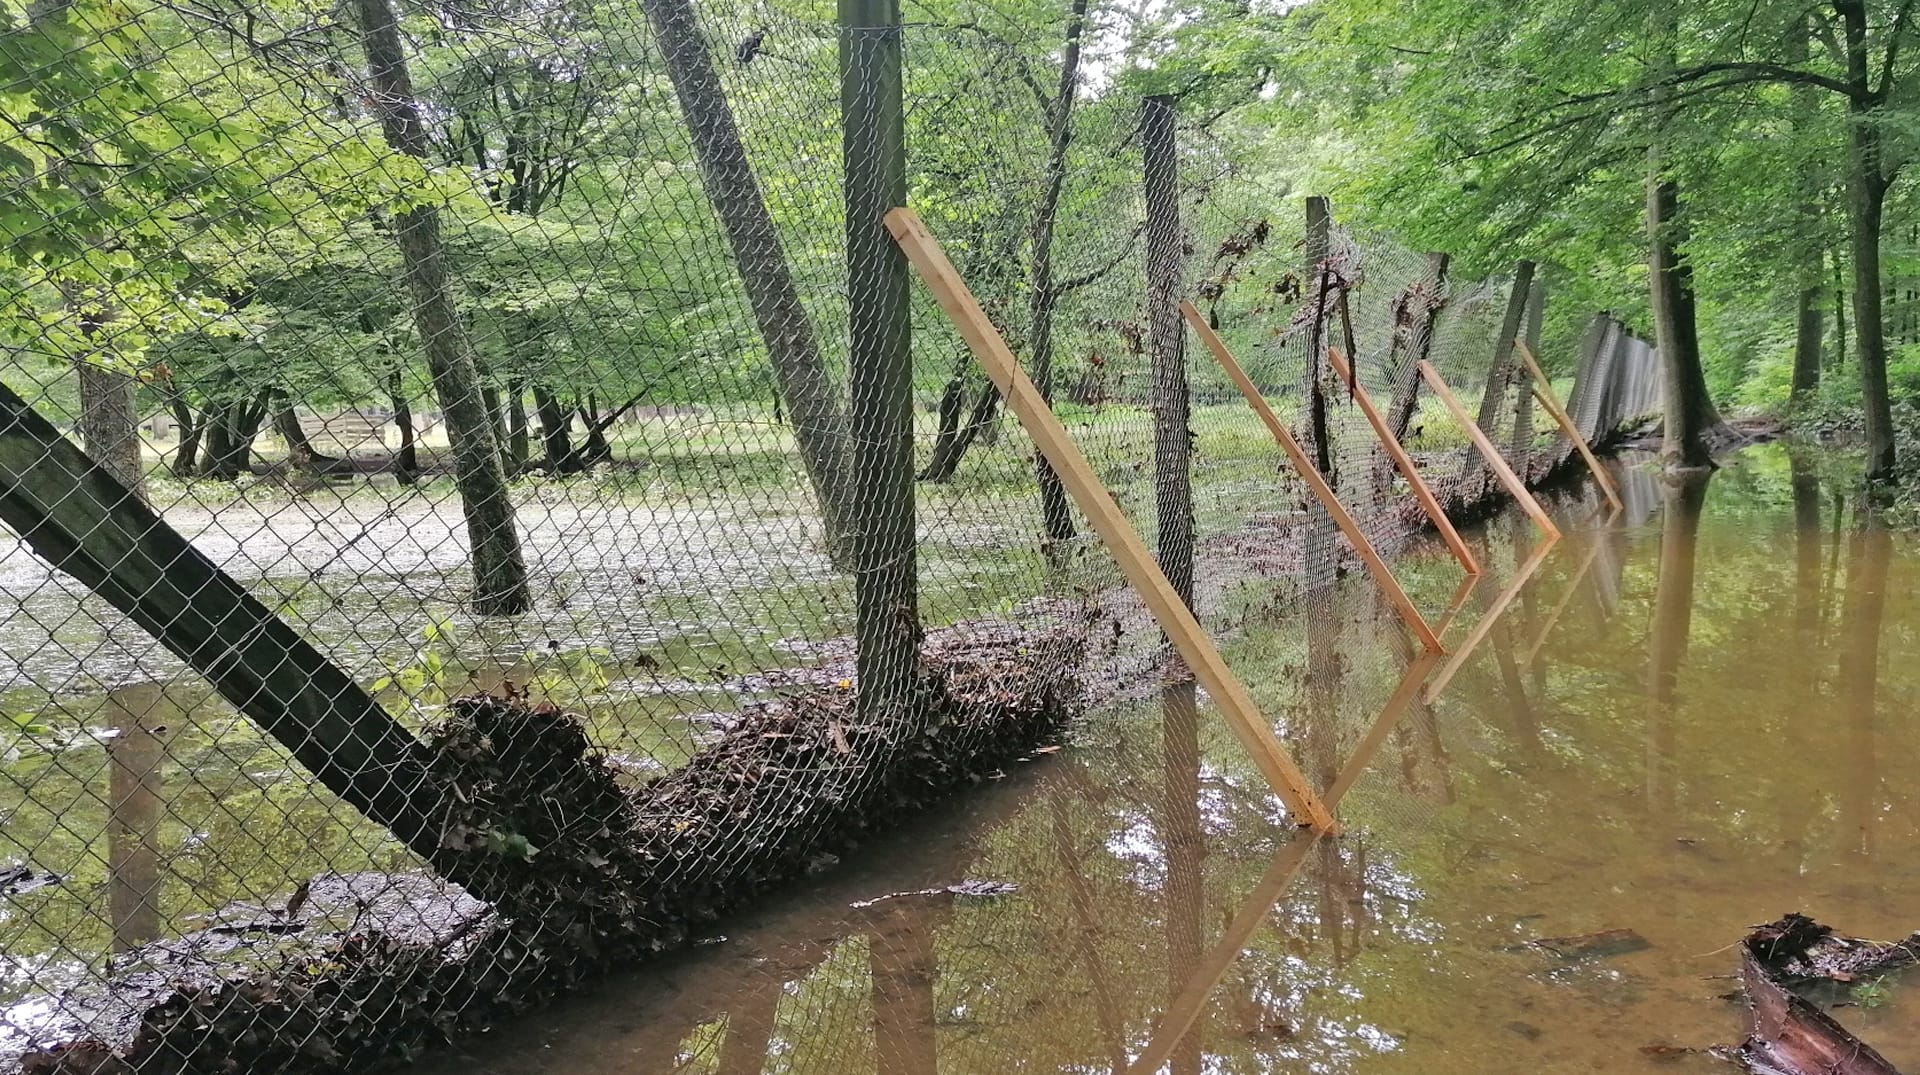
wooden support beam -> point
(1404, 462)
(1377, 567)
(1543, 391)
(1490, 452)
(1186, 634)
(1484, 625)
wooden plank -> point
(1544, 392)
(1382, 575)
(1484, 625)
(1186, 634)
(1404, 462)
(1490, 452)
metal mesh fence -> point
(483, 495)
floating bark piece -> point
(1787, 1035)
(1607, 942)
(1796, 948)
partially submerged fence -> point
(677, 443)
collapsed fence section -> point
(560, 356)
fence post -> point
(1500, 371)
(1319, 567)
(879, 360)
(1523, 400)
(1172, 482)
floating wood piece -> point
(1543, 391)
(1186, 634)
(1787, 1035)
(1404, 463)
(1490, 452)
(1484, 624)
(1382, 575)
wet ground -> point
(1679, 721)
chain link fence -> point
(483, 496)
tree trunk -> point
(108, 425)
(518, 445)
(1166, 335)
(1806, 321)
(945, 460)
(1055, 516)
(1521, 448)
(186, 455)
(1806, 345)
(1866, 200)
(1690, 413)
(594, 448)
(1500, 371)
(1866, 203)
(556, 440)
(734, 191)
(300, 449)
(499, 572)
(406, 459)
(1406, 375)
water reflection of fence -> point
(693, 491)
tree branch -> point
(1894, 35)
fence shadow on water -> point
(382, 385)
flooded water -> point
(1681, 720)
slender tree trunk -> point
(556, 440)
(944, 463)
(186, 454)
(518, 445)
(1866, 204)
(594, 448)
(727, 175)
(300, 449)
(499, 571)
(1806, 321)
(1406, 375)
(1839, 353)
(406, 459)
(1690, 414)
(1522, 447)
(1057, 519)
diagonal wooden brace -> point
(1490, 452)
(1543, 391)
(1404, 462)
(1185, 632)
(1377, 567)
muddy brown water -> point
(1679, 721)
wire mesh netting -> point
(484, 496)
